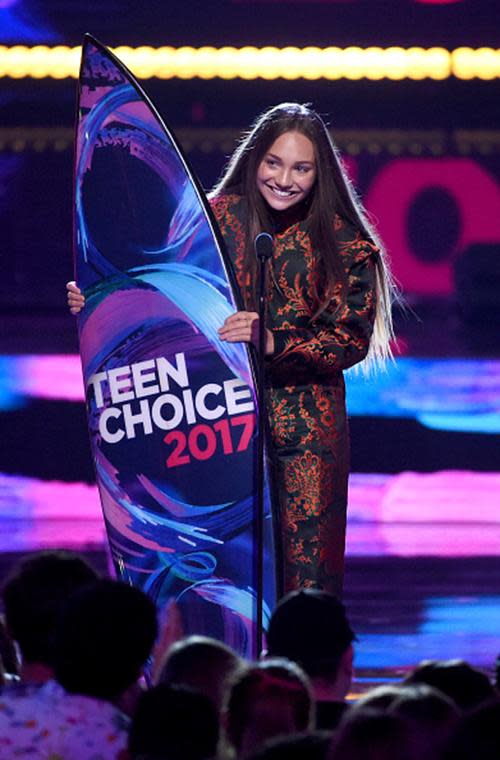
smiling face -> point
(287, 172)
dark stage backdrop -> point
(434, 195)
(256, 22)
(423, 154)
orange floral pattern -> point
(306, 395)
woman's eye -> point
(303, 169)
(270, 162)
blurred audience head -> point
(203, 664)
(175, 723)
(465, 685)
(432, 714)
(378, 698)
(266, 699)
(477, 735)
(103, 639)
(310, 627)
(305, 746)
(34, 595)
(371, 734)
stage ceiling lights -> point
(311, 63)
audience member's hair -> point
(201, 663)
(34, 596)
(477, 736)
(465, 685)
(306, 746)
(379, 698)
(374, 735)
(104, 638)
(433, 715)
(268, 698)
(175, 723)
(310, 627)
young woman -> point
(328, 308)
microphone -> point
(263, 245)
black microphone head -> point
(263, 245)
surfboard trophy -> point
(171, 408)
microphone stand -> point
(263, 245)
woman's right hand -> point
(76, 299)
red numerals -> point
(177, 457)
(248, 423)
(202, 442)
(233, 434)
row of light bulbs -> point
(61, 62)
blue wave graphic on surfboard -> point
(171, 408)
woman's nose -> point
(284, 178)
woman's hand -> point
(243, 327)
(76, 299)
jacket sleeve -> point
(340, 336)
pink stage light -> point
(37, 514)
(55, 376)
(442, 514)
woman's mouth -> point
(281, 193)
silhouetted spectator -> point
(175, 723)
(477, 736)
(432, 714)
(379, 698)
(310, 627)
(104, 637)
(465, 685)
(269, 698)
(203, 664)
(34, 595)
(308, 746)
(374, 735)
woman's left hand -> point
(243, 327)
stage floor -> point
(422, 578)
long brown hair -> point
(332, 194)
